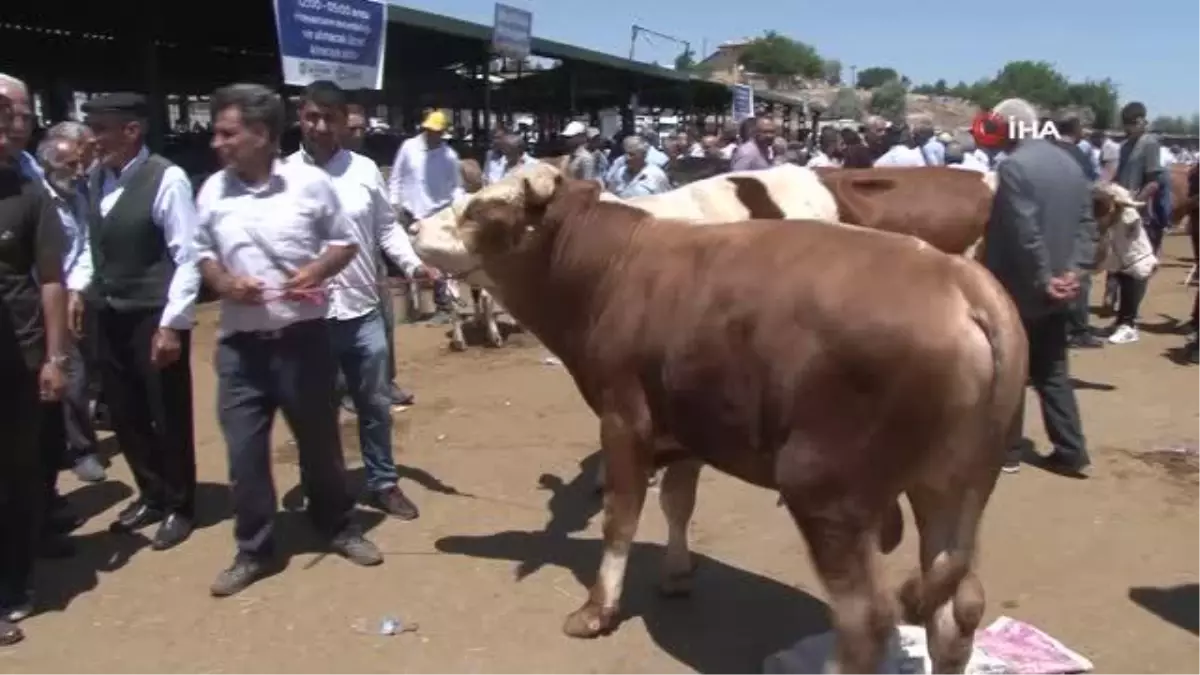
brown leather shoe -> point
(392, 501)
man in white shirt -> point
(829, 145)
(901, 152)
(355, 324)
(426, 178)
(141, 271)
(62, 162)
(271, 234)
(637, 177)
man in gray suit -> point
(1040, 240)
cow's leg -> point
(625, 450)
(945, 595)
(458, 341)
(677, 497)
(486, 308)
(841, 520)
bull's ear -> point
(540, 187)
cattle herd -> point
(822, 333)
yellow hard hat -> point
(435, 121)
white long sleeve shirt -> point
(424, 180)
(175, 212)
(360, 189)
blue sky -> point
(1149, 50)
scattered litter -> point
(441, 437)
(552, 361)
(1005, 646)
(390, 625)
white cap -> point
(574, 129)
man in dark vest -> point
(144, 283)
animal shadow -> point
(733, 620)
(1180, 356)
(1179, 605)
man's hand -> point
(75, 314)
(165, 348)
(423, 272)
(51, 380)
(305, 284)
(246, 290)
(1063, 287)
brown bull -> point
(769, 350)
(945, 207)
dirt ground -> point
(492, 454)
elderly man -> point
(33, 353)
(141, 272)
(271, 234)
(757, 152)
(61, 157)
(20, 130)
(355, 322)
(512, 157)
(426, 177)
(637, 177)
(582, 164)
(1040, 238)
(1139, 167)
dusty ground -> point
(493, 451)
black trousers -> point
(1051, 378)
(292, 371)
(150, 408)
(1129, 298)
(22, 479)
(1078, 319)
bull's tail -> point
(948, 575)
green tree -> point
(984, 94)
(1166, 124)
(845, 106)
(831, 72)
(1100, 97)
(889, 101)
(686, 61)
(777, 57)
(1035, 81)
(875, 76)
(940, 88)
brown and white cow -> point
(769, 350)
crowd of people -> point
(106, 249)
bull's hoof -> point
(589, 621)
(458, 346)
(495, 340)
(676, 585)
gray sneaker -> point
(89, 469)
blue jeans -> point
(360, 349)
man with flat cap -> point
(144, 282)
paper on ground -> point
(1006, 646)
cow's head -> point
(504, 218)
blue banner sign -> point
(512, 31)
(743, 102)
(338, 40)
